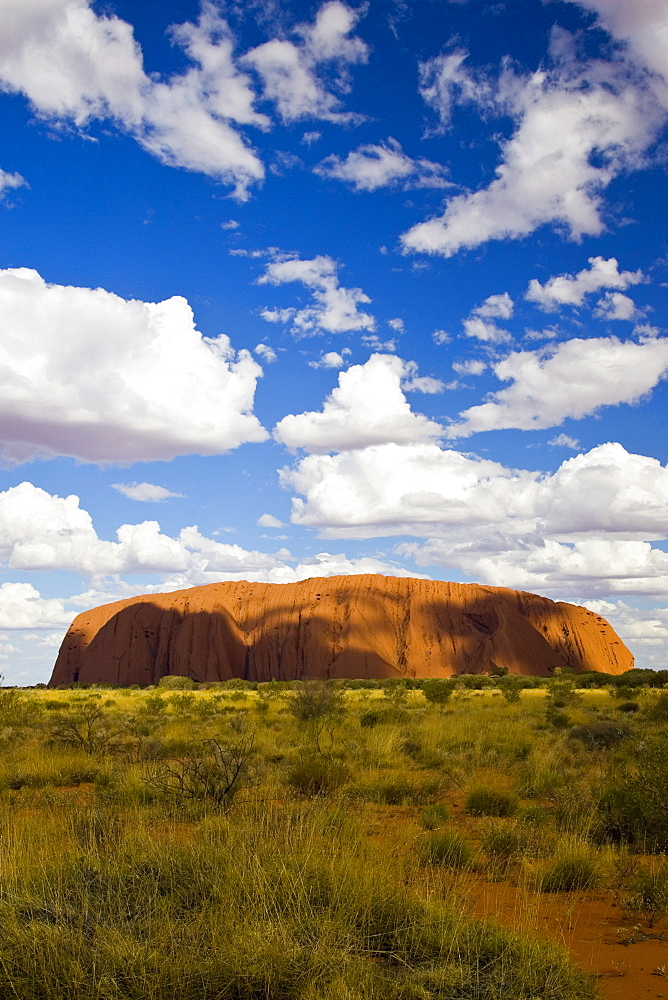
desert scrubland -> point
(474, 839)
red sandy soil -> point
(592, 927)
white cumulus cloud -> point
(269, 521)
(616, 305)
(564, 441)
(77, 66)
(472, 366)
(642, 25)
(610, 120)
(39, 531)
(145, 492)
(480, 324)
(290, 70)
(570, 379)
(331, 359)
(572, 289)
(379, 165)
(367, 407)
(266, 352)
(9, 182)
(88, 374)
(585, 529)
(335, 308)
(22, 606)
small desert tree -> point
(319, 706)
(438, 691)
(212, 771)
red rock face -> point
(343, 626)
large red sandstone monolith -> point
(342, 626)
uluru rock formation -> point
(343, 626)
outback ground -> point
(380, 841)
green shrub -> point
(622, 691)
(447, 848)
(571, 868)
(502, 841)
(511, 688)
(314, 701)
(438, 691)
(600, 735)
(490, 801)
(556, 718)
(474, 682)
(397, 791)
(648, 892)
(174, 682)
(658, 712)
(434, 816)
(382, 716)
(317, 775)
(632, 804)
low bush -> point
(658, 712)
(490, 801)
(438, 691)
(397, 791)
(556, 718)
(571, 868)
(502, 841)
(434, 816)
(314, 701)
(632, 803)
(173, 682)
(600, 735)
(383, 716)
(648, 891)
(447, 848)
(317, 775)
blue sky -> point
(296, 289)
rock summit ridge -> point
(366, 626)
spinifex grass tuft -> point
(273, 907)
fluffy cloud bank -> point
(41, 532)
(289, 70)
(643, 26)
(368, 407)
(335, 309)
(611, 119)
(421, 489)
(77, 66)
(572, 289)
(21, 607)
(88, 374)
(571, 379)
(585, 529)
